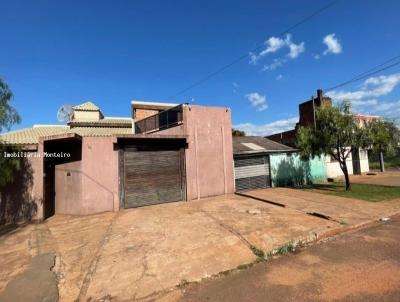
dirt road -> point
(360, 266)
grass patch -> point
(183, 283)
(245, 266)
(256, 251)
(286, 249)
(373, 193)
(226, 273)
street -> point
(362, 265)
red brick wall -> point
(307, 113)
(287, 138)
(143, 113)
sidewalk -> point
(346, 211)
(145, 253)
(359, 266)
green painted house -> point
(262, 163)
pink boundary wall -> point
(93, 183)
(90, 185)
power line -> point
(380, 65)
(244, 56)
(367, 73)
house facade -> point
(262, 163)
(357, 162)
(161, 153)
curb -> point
(326, 235)
(302, 242)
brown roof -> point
(32, 135)
(257, 144)
(107, 122)
(100, 131)
(88, 106)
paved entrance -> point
(145, 252)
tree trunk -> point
(346, 176)
(381, 162)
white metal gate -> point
(252, 172)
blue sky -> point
(110, 52)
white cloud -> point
(364, 103)
(235, 87)
(279, 77)
(269, 128)
(253, 57)
(273, 44)
(364, 99)
(317, 57)
(275, 64)
(295, 50)
(257, 100)
(371, 88)
(388, 107)
(333, 44)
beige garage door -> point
(153, 177)
(252, 172)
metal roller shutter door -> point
(152, 177)
(252, 173)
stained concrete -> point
(145, 253)
(361, 266)
(36, 284)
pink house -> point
(161, 153)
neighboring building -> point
(306, 119)
(363, 119)
(262, 163)
(161, 153)
(357, 162)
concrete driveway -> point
(145, 253)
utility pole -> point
(381, 162)
(313, 109)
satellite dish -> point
(64, 114)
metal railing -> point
(165, 119)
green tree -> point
(236, 132)
(336, 133)
(8, 117)
(383, 137)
